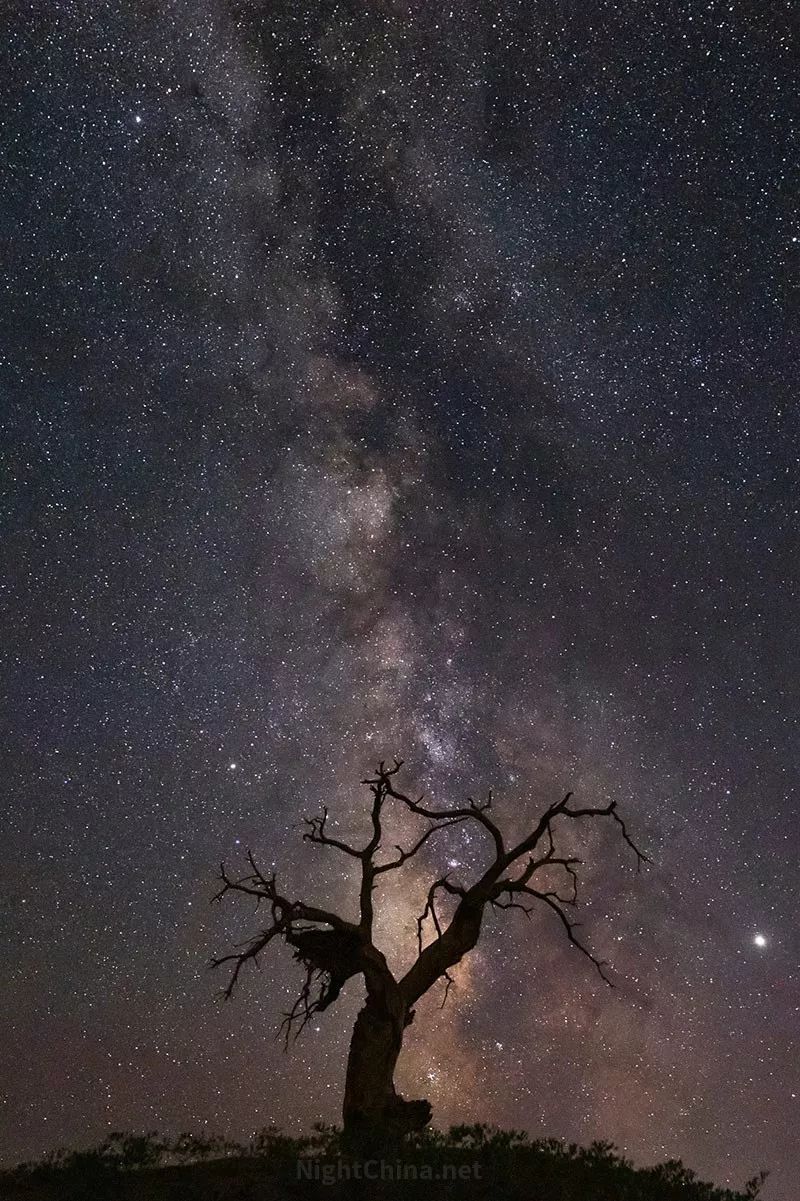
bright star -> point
(760, 940)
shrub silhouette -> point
(126, 1167)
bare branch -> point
(446, 885)
(542, 829)
(459, 936)
(305, 1007)
(474, 810)
(496, 903)
(409, 854)
(554, 902)
(285, 916)
(611, 811)
(317, 833)
(561, 808)
(570, 927)
(547, 861)
(253, 949)
(378, 797)
(368, 872)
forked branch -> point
(474, 810)
(503, 885)
(316, 832)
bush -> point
(514, 1166)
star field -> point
(394, 378)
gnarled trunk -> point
(373, 1111)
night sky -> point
(400, 378)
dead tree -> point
(523, 876)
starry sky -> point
(400, 378)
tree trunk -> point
(373, 1112)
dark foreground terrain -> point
(470, 1162)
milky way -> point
(411, 379)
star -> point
(457, 425)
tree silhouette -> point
(332, 949)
